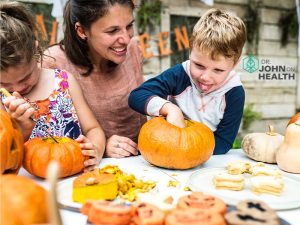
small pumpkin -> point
(169, 146)
(288, 155)
(40, 151)
(294, 118)
(23, 202)
(11, 144)
(262, 147)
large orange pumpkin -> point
(294, 118)
(169, 146)
(40, 151)
(11, 144)
(23, 202)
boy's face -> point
(207, 73)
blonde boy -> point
(204, 88)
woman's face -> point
(110, 35)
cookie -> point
(203, 202)
(107, 213)
(267, 184)
(265, 171)
(147, 214)
(252, 212)
(238, 167)
(226, 181)
(194, 217)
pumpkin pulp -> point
(60, 140)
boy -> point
(204, 88)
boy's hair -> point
(219, 32)
(86, 12)
(18, 35)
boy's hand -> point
(20, 110)
(89, 149)
(119, 147)
(173, 114)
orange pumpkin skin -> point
(22, 202)
(169, 146)
(294, 118)
(40, 151)
(11, 144)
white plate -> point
(202, 180)
(64, 195)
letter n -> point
(182, 38)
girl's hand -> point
(119, 147)
(20, 110)
(89, 149)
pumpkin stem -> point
(271, 131)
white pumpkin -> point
(262, 147)
(288, 155)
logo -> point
(250, 64)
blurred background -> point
(269, 66)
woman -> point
(99, 50)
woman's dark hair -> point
(86, 12)
(18, 35)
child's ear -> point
(36, 44)
(80, 31)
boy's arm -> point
(228, 128)
(152, 95)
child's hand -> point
(89, 149)
(173, 114)
(119, 147)
(20, 110)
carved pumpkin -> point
(169, 146)
(288, 155)
(40, 151)
(262, 147)
(23, 202)
(294, 118)
(11, 144)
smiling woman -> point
(99, 50)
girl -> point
(52, 97)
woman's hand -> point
(89, 149)
(21, 111)
(119, 147)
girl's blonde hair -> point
(18, 35)
(219, 32)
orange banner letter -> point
(182, 38)
(162, 42)
(144, 45)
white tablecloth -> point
(142, 169)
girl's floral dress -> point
(57, 113)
